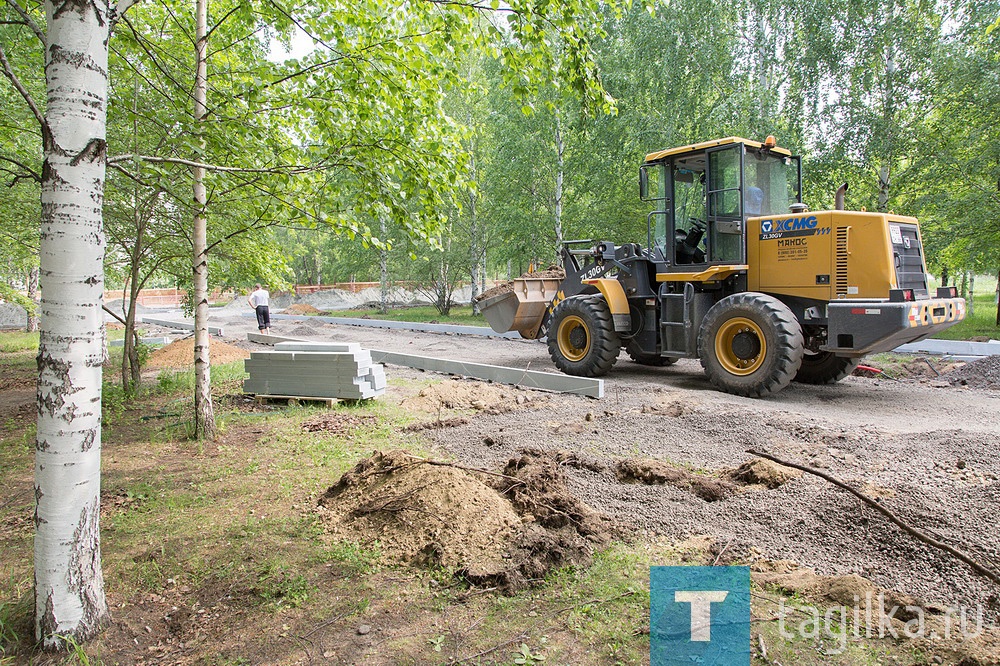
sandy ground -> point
(926, 451)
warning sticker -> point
(895, 234)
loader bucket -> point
(522, 309)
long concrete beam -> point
(546, 381)
(182, 325)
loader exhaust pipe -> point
(839, 198)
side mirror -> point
(643, 184)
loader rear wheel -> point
(825, 368)
(750, 344)
(582, 338)
(648, 359)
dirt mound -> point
(300, 309)
(656, 472)
(536, 486)
(983, 373)
(764, 472)
(502, 288)
(505, 532)
(422, 514)
(552, 272)
(459, 394)
(180, 354)
(843, 590)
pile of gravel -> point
(983, 373)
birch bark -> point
(204, 414)
(69, 586)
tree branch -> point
(105, 308)
(34, 175)
(893, 518)
(27, 20)
(290, 169)
(9, 73)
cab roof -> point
(659, 155)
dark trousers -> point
(263, 317)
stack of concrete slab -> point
(315, 370)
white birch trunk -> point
(972, 294)
(560, 153)
(69, 586)
(383, 269)
(204, 415)
(33, 297)
(474, 251)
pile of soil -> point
(983, 373)
(552, 272)
(764, 472)
(180, 354)
(301, 309)
(655, 472)
(458, 394)
(925, 368)
(498, 531)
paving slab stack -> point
(315, 370)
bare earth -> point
(924, 448)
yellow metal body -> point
(613, 293)
(705, 145)
(710, 274)
(823, 255)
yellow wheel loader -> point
(737, 272)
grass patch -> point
(12, 342)
(980, 324)
(425, 314)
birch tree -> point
(69, 585)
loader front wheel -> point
(824, 368)
(582, 338)
(750, 344)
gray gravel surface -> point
(927, 451)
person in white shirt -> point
(259, 300)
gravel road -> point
(926, 451)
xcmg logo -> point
(791, 224)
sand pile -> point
(180, 354)
(458, 394)
(552, 272)
(505, 531)
(301, 309)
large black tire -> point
(750, 344)
(641, 358)
(582, 338)
(825, 368)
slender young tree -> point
(204, 415)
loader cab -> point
(704, 194)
